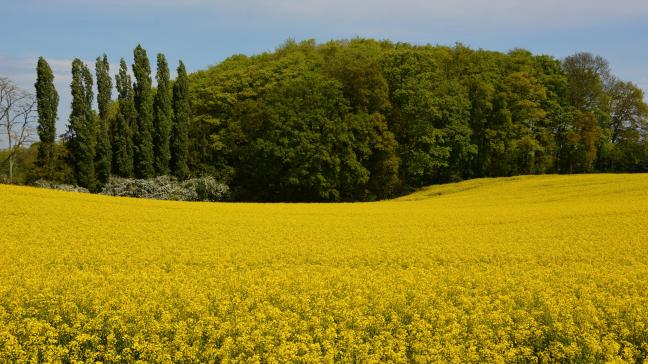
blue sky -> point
(204, 32)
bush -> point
(59, 186)
(207, 189)
(168, 188)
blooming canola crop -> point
(532, 269)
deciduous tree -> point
(17, 116)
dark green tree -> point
(163, 115)
(628, 127)
(430, 113)
(298, 146)
(377, 150)
(82, 126)
(103, 159)
(47, 102)
(180, 128)
(589, 79)
(122, 135)
(361, 119)
(143, 135)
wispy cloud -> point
(211, 29)
(562, 13)
(22, 71)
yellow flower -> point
(524, 269)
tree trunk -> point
(10, 141)
(11, 166)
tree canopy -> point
(364, 119)
(350, 120)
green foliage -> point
(587, 76)
(122, 128)
(357, 66)
(625, 150)
(104, 86)
(411, 116)
(163, 115)
(82, 126)
(24, 168)
(377, 149)
(143, 163)
(47, 102)
(298, 150)
(180, 128)
(103, 159)
(362, 119)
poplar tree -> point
(163, 114)
(179, 135)
(143, 136)
(82, 145)
(47, 103)
(104, 95)
(122, 138)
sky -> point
(204, 32)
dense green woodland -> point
(353, 120)
(363, 119)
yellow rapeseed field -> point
(527, 269)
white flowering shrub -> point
(59, 186)
(168, 188)
(206, 189)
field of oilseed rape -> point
(528, 269)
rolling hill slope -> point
(551, 268)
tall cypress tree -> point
(104, 95)
(122, 132)
(47, 104)
(163, 114)
(179, 135)
(82, 126)
(143, 136)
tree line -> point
(345, 120)
(363, 119)
(142, 134)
